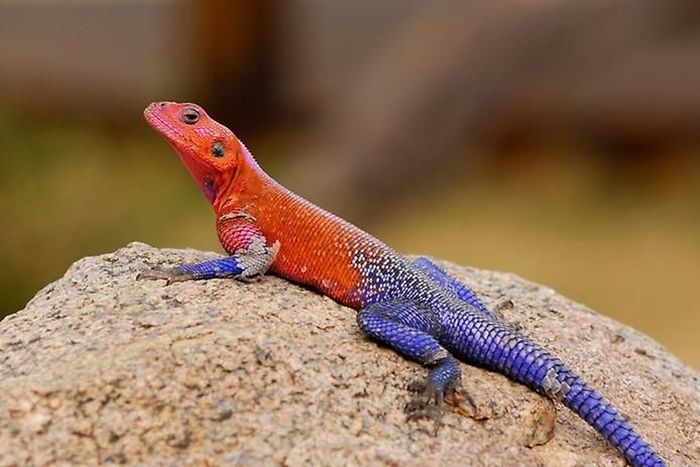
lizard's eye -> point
(190, 116)
(218, 149)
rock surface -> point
(101, 368)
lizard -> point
(412, 306)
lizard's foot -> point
(427, 403)
(170, 275)
(443, 379)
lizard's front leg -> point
(250, 255)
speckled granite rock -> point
(101, 368)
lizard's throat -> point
(214, 184)
(218, 189)
(209, 189)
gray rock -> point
(101, 368)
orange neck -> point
(246, 184)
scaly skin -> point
(413, 307)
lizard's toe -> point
(169, 275)
(428, 403)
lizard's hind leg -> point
(438, 275)
(411, 330)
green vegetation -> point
(71, 191)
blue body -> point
(431, 318)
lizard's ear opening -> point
(218, 149)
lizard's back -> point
(330, 254)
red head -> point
(209, 150)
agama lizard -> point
(411, 306)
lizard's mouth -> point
(154, 118)
(198, 168)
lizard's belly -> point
(322, 251)
(328, 271)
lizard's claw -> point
(459, 394)
(170, 275)
(429, 402)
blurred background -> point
(557, 140)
